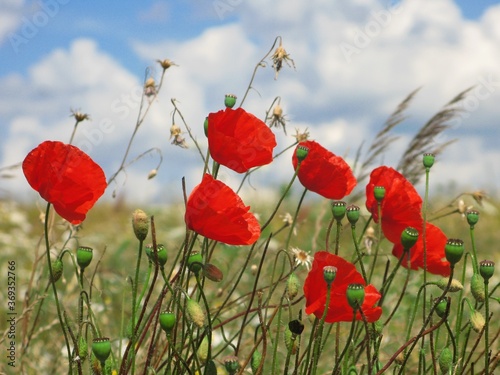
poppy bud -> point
(301, 153)
(446, 361)
(441, 306)
(472, 217)
(352, 214)
(355, 295)
(329, 273)
(338, 210)
(84, 256)
(453, 250)
(152, 173)
(230, 100)
(82, 348)
(477, 321)
(409, 238)
(379, 193)
(477, 288)
(101, 347)
(296, 326)
(203, 350)
(290, 343)
(231, 364)
(167, 321)
(205, 126)
(213, 272)
(57, 269)
(486, 269)
(195, 262)
(428, 160)
(140, 224)
(195, 313)
(255, 361)
(292, 286)
(455, 286)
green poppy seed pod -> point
(195, 313)
(477, 321)
(296, 326)
(57, 269)
(230, 100)
(255, 361)
(355, 295)
(352, 212)
(453, 250)
(486, 269)
(338, 210)
(161, 253)
(379, 193)
(292, 286)
(455, 286)
(231, 364)
(203, 350)
(290, 342)
(167, 321)
(329, 273)
(472, 217)
(446, 361)
(441, 306)
(213, 273)
(84, 256)
(477, 288)
(301, 153)
(101, 347)
(83, 348)
(409, 238)
(140, 224)
(429, 160)
(195, 262)
(205, 126)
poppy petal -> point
(239, 140)
(217, 212)
(66, 177)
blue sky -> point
(62, 54)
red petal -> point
(239, 140)
(66, 177)
(216, 212)
(323, 172)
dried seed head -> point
(166, 63)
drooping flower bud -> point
(453, 250)
(477, 321)
(455, 286)
(101, 347)
(83, 348)
(486, 269)
(409, 238)
(212, 272)
(290, 343)
(472, 217)
(477, 288)
(203, 350)
(205, 126)
(441, 306)
(338, 210)
(446, 361)
(230, 100)
(379, 193)
(329, 273)
(195, 312)
(355, 295)
(292, 286)
(84, 256)
(140, 224)
(255, 361)
(428, 160)
(57, 269)
(167, 321)
(352, 214)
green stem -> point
(473, 244)
(317, 340)
(59, 314)
(379, 237)
(486, 329)
(294, 222)
(358, 253)
(346, 347)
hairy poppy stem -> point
(53, 282)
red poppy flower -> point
(402, 208)
(436, 259)
(315, 291)
(66, 177)
(216, 212)
(323, 172)
(239, 140)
